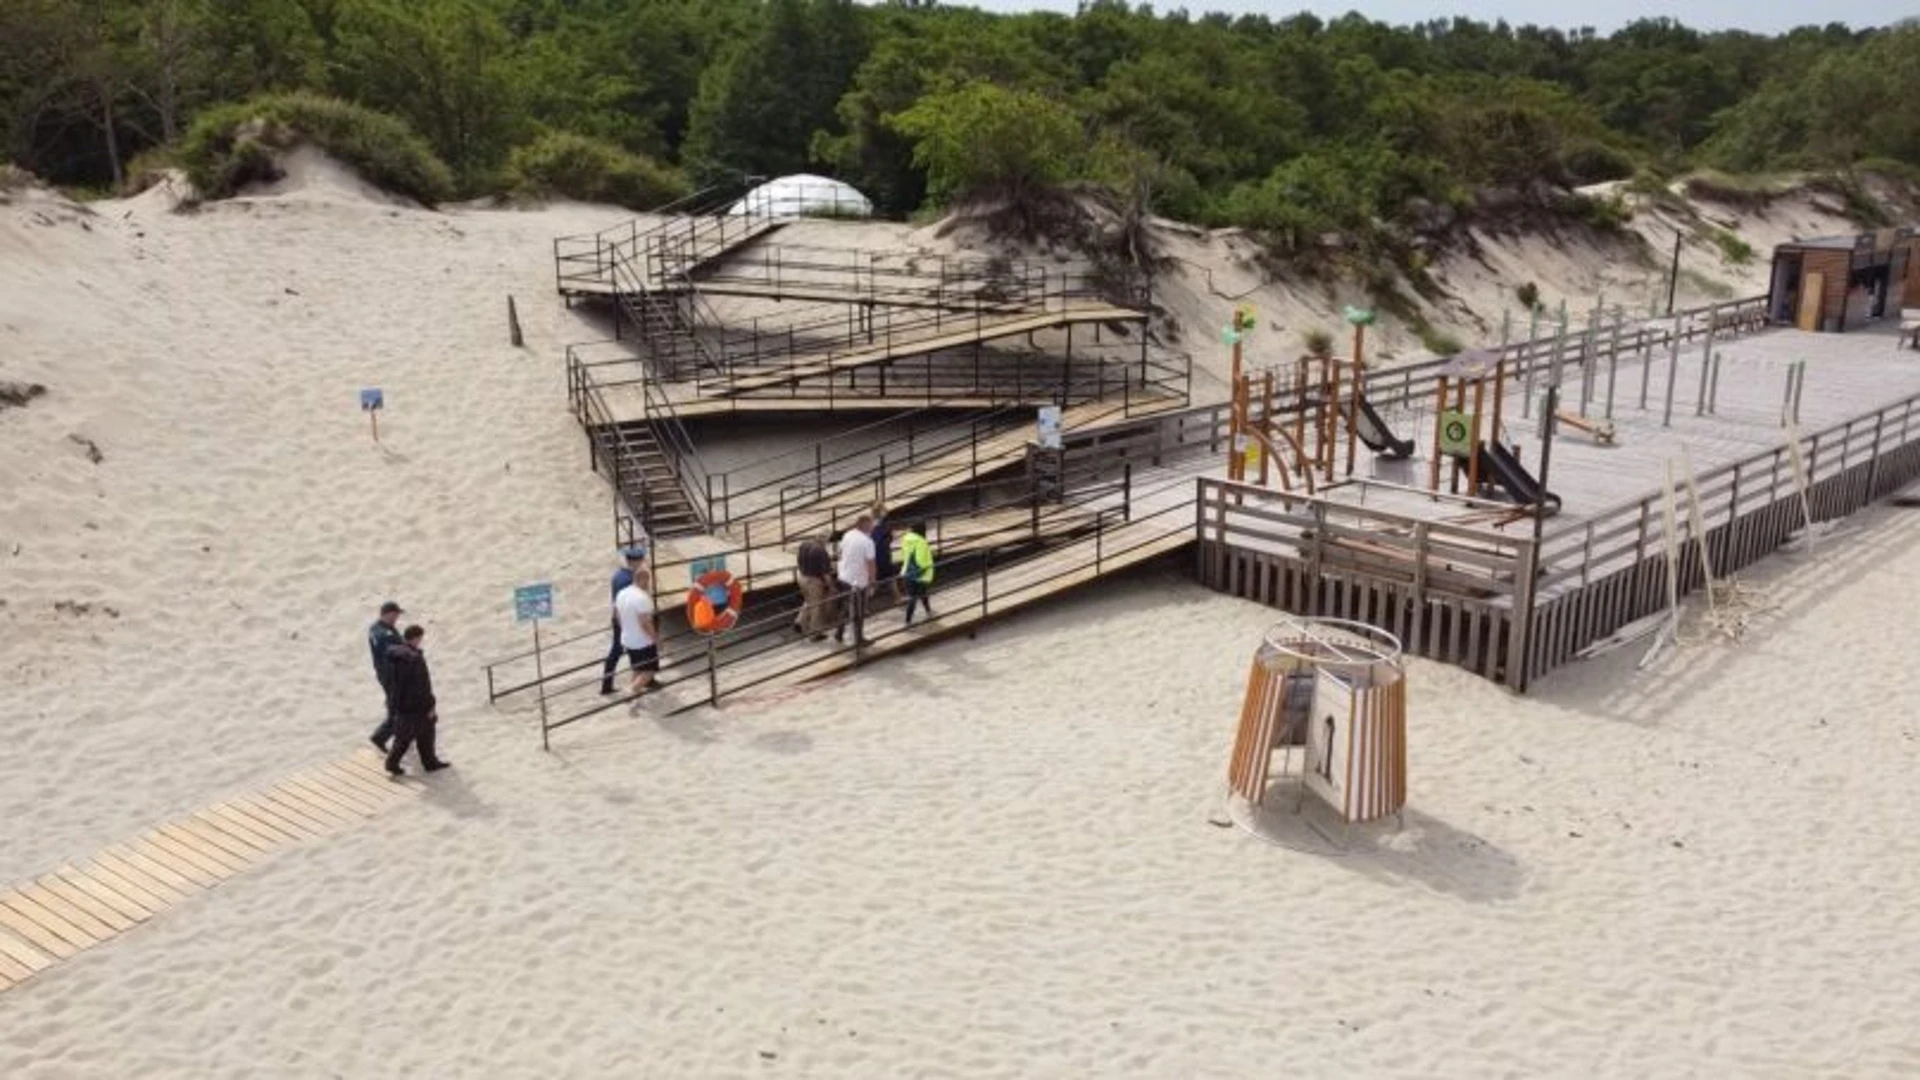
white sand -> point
(989, 859)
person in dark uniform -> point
(636, 557)
(415, 712)
(381, 636)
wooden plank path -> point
(914, 345)
(91, 901)
(958, 605)
(952, 536)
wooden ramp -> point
(954, 536)
(852, 290)
(964, 333)
(958, 606)
(91, 901)
(839, 504)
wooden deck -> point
(91, 901)
(1467, 584)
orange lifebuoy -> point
(713, 604)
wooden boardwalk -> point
(982, 329)
(960, 605)
(91, 901)
(835, 507)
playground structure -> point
(1336, 691)
(1287, 420)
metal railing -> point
(761, 650)
(954, 536)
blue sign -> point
(371, 399)
(710, 564)
(532, 602)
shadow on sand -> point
(1421, 849)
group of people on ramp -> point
(840, 589)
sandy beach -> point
(994, 857)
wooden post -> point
(1613, 359)
(1439, 427)
(1533, 361)
(1353, 403)
(1300, 414)
(1473, 454)
(1499, 393)
(1330, 414)
(1236, 423)
(1266, 421)
(1673, 372)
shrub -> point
(1318, 342)
(1610, 214)
(562, 163)
(1733, 249)
(231, 146)
(1439, 342)
(1589, 161)
(1528, 295)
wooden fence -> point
(1600, 574)
(1531, 361)
(1448, 592)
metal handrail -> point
(941, 538)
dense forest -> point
(1295, 126)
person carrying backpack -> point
(916, 568)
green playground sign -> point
(1456, 433)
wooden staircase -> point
(645, 478)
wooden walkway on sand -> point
(960, 605)
(91, 901)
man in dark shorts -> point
(381, 636)
(416, 713)
(636, 558)
(633, 610)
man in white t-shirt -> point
(856, 578)
(633, 607)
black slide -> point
(1373, 431)
(1498, 465)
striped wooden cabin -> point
(1336, 691)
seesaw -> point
(1600, 430)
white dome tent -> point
(803, 195)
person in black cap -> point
(636, 557)
(381, 636)
(416, 714)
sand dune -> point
(993, 858)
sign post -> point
(531, 603)
(371, 402)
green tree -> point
(982, 137)
(761, 102)
(442, 65)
